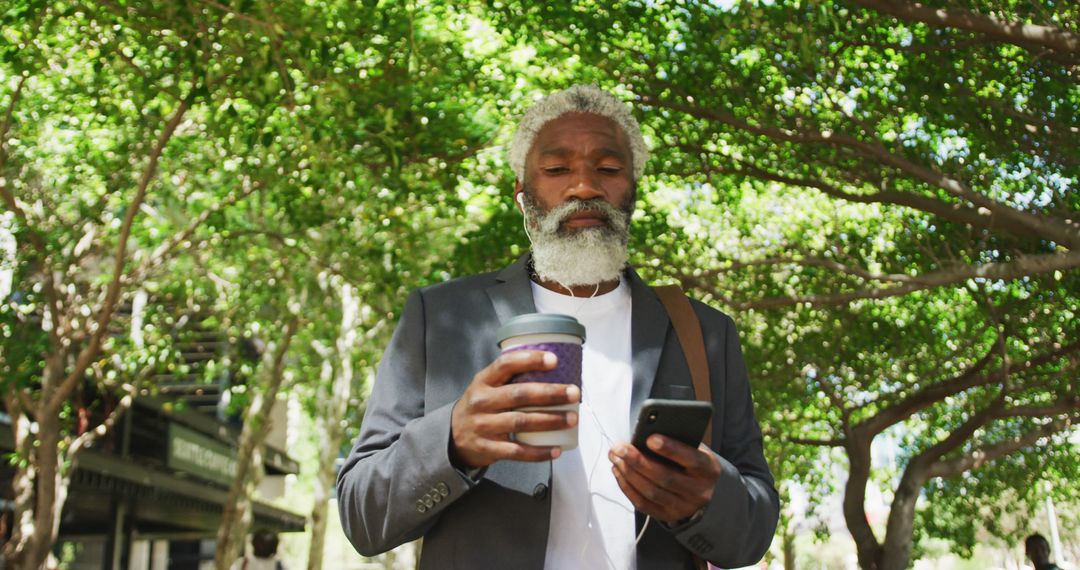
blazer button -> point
(540, 491)
(442, 489)
(420, 506)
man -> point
(264, 545)
(436, 457)
(1038, 551)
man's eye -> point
(555, 169)
(610, 169)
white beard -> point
(586, 256)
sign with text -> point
(195, 453)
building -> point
(149, 495)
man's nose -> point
(585, 186)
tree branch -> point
(54, 396)
(283, 241)
(987, 453)
(162, 252)
(90, 436)
(970, 378)
(925, 460)
(7, 120)
(818, 262)
(1046, 227)
(49, 288)
(955, 212)
(1059, 40)
(818, 442)
(1067, 405)
(916, 48)
(242, 16)
(905, 408)
(1022, 266)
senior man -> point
(436, 457)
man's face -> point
(580, 156)
(579, 196)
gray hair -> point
(577, 99)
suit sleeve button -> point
(420, 506)
(442, 489)
(540, 491)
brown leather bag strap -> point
(688, 330)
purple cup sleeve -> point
(567, 371)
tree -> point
(884, 193)
(332, 396)
(281, 321)
(887, 197)
(387, 111)
(107, 180)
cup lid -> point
(540, 323)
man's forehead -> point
(582, 120)
(560, 151)
(552, 137)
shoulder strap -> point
(688, 330)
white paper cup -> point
(562, 335)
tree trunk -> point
(50, 492)
(789, 547)
(866, 543)
(22, 485)
(318, 530)
(328, 422)
(896, 551)
(325, 472)
(236, 512)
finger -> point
(528, 394)
(637, 499)
(494, 425)
(642, 499)
(671, 478)
(695, 460)
(509, 364)
(668, 504)
(487, 399)
(658, 487)
(515, 451)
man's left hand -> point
(669, 493)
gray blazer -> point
(398, 484)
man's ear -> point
(519, 198)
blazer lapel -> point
(511, 296)
(649, 324)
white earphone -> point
(520, 198)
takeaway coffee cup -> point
(561, 335)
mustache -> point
(612, 216)
(575, 206)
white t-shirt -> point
(592, 521)
(255, 563)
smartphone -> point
(683, 420)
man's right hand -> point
(488, 412)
